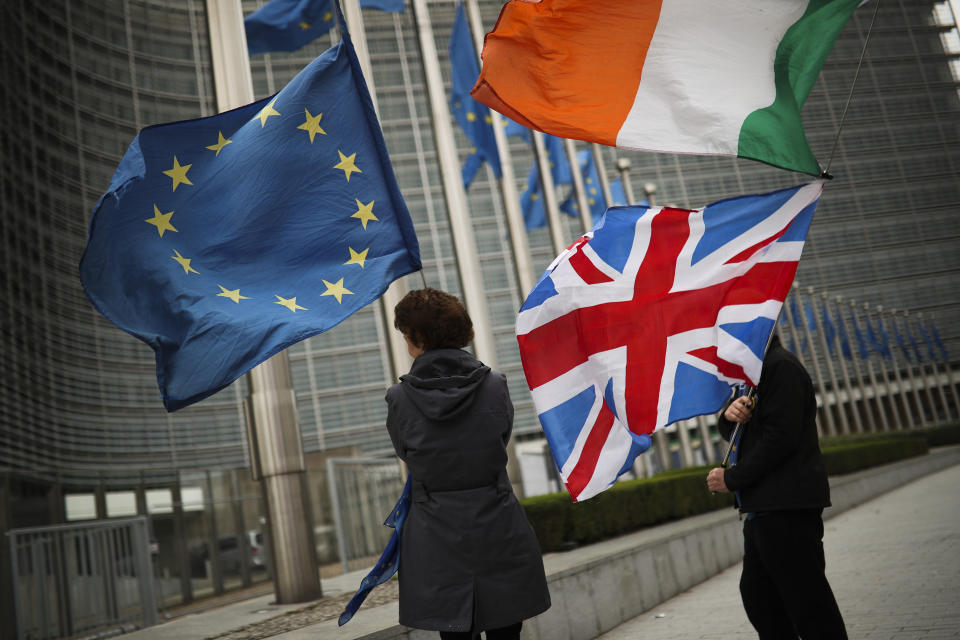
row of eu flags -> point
(870, 339)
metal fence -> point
(72, 579)
(363, 491)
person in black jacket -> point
(469, 559)
(780, 483)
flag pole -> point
(271, 406)
(949, 374)
(548, 191)
(461, 229)
(508, 182)
(915, 381)
(847, 382)
(878, 402)
(844, 424)
(815, 362)
(579, 188)
(904, 401)
(601, 173)
(399, 359)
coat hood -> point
(442, 382)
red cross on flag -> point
(650, 318)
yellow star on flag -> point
(471, 116)
(184, 262)
(304, 25)
(336, 290)
(221, 143)
(357, 257)
(364, 212)
(327, 16)
(161, 221)
(266, 112)
(178, 173)
(534, 196)
(289, 303)
(312, 125)
(347, 164)
(233, 294)
(488, 119)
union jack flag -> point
(649, 318)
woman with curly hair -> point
(469, 560)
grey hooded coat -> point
(469, 559)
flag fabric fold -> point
(680, 76)
(224, 240)
(944, 354)
(531, 200)
(591, 183)
(288, 25)
(474, 118)
(658, 311)
(388, 562)
(829, 330)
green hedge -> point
(679, 493)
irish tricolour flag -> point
(723, 77)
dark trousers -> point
(785, 591)
(503, 633)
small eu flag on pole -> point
(224, 240)
(474, 118)
(287, 25)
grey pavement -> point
(893, 563)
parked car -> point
(231, 554)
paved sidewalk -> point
(893, 563)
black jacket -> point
(468, 556)
(779, 463)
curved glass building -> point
(79, 405)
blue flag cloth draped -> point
(797, 322)
(926, 338)
(844, 340)
(811, 318)
(874, 340)
(913, 344)
(829, 330)
(474, 118)
(531, 200)
(288, 25)
(224, 240)
(389, 560)
(591, 183)
(861, 343)
(886, 352)
(944, 354)
(901, 342)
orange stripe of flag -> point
(569, 67)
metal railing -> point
(362, 493)
(79, 578)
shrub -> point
(561, 524)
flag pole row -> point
(867, 381)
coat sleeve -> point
(724, 426)
(509, 411)
(393, 422)
(780, 422)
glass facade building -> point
(79, 398)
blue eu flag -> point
(591, 183)
(288, 25)
(474, 118)
(531, 200)
(224, 240)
